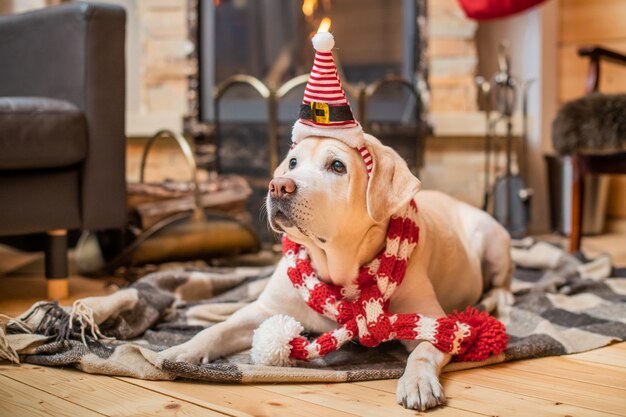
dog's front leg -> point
(229, 336)
(419, 387)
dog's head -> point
(321, 192)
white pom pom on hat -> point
(325, 110)
(327, 91)
(323, 41)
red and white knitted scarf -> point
(470, 335)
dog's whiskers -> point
(263, 212)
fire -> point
(324, 25)
(308, 7)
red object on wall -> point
(494, 9)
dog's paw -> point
(184, 353)
(420, 390)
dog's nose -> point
(282, 187)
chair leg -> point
(578, 198)
(56, 265)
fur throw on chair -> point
(595, 122)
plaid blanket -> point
(563, 304)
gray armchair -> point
(62, 143)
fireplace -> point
(253, 58)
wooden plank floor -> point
(585, 384)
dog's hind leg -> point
(497, 267)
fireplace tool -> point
(484, 97)
(511, 197)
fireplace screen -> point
(270, 40)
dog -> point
(321, 197)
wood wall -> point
(590, 22)
(593, 22)
(452, 58)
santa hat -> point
(325, 111)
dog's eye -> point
(292, 163)
(338, 167)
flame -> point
(324, 25)
(308, 7)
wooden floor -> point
(586, 384)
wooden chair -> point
(593, 155)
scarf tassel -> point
(488, 336)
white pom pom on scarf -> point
(270, 342)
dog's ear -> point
(391, 185)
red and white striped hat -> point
(325, 111)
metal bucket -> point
(559, 187)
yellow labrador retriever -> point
(321, 198)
